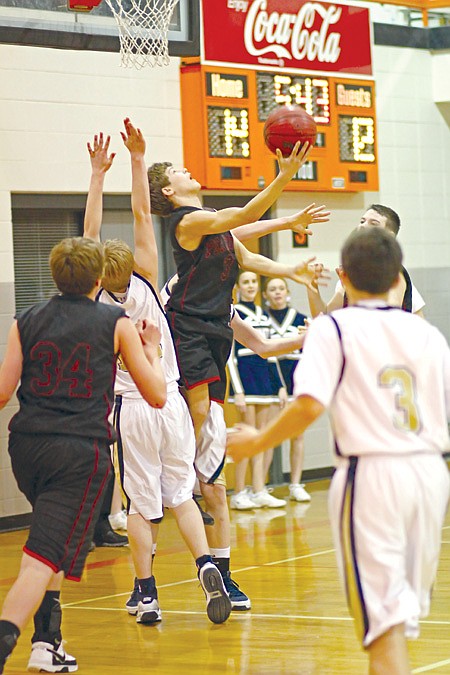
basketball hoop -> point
(143, 28)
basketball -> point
(286, 125)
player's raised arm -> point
(100, 163)
(298, 222)
(145, 249)
(200, 223)
(304, 273)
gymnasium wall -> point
(53, 101)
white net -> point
(143, 28)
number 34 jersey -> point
(384, 374)
(68, 367)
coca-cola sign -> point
(290, 34)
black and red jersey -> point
(68, 367)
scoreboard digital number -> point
(223, 115)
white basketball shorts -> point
(387, 514)
(155, 451)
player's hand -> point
(149, 333)
(242, 442)
(312, 214)
(299, 155)
(101, 162)
(133, 138)
(310, 274)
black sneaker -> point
(133, 601)
(207, 517)
(239, 601)
(218, 605)
(111, 539)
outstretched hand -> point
(241, 442)
(133, 138)
(299, 155)
(100, 160)
(310, 274)
(312, 214)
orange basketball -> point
(286, 125)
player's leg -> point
(191, 526)
(209, 463)
(137, 458)
(297, 490)
(63, 478)
(21, 602)
(388, 654)
(198, 402)
(177, 456)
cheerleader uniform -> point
(259, 379)
(284, 323)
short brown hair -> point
(76, 263)
(157, 180)
(392, 218)
(119, 265)
(372, 260)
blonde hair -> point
(76, 263)
(119, 265)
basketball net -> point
(143, 28)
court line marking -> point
(432, 666)
(188, 581)
(248, 615)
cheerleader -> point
(285, 321)
(255, 384)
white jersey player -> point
(384, 376)
(155, 452)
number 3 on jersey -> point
(404, 385)
(73, 372)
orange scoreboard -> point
(223, 115)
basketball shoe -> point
(46, 658)
(218, 604)
(239, 601)
(148, 610)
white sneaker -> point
(241, 501)
(46, 659)
(298, 493)
(263, 498)
(118, 521)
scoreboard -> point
(223, 115)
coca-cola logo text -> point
(291, 36)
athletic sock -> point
(47, 620)
(221, 558)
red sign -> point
(288, 34)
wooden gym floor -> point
(284, 560)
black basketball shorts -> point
(203, 347)
(63, 478)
